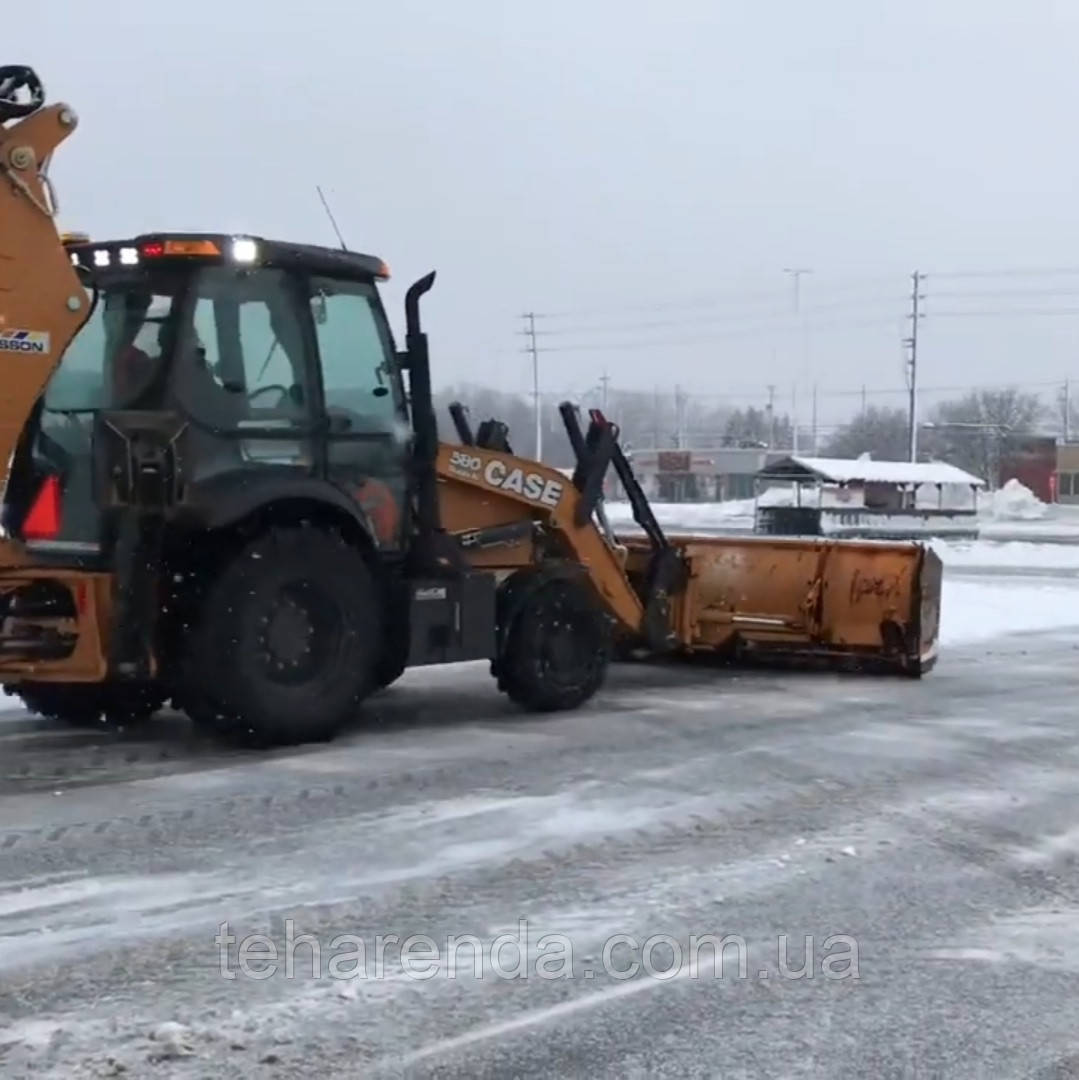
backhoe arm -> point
(42, 301)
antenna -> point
(333, 220)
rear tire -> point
(92, 704)
(557, 650)
(284, 645)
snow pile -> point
(1015, 502)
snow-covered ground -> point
(977, 610)
(1027, 556)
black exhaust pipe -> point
(432, 552)
(424, 422)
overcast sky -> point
(642, 173)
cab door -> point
(365, 416)
(242, 373)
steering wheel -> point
(21, 92)
(282, 390)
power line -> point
(778, 315)
(1063, 271)
(653, 343)
(993, 294)
(762, 318)
(1001, 313)
(841, 286)
(861, 392)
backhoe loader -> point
(224, 488)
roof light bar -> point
(244, 250)
(191, 247)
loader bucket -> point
(861, 604)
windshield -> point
(116, 356)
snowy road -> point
(924, 833)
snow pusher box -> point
(223, 488)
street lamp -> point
(795, 274)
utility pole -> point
(603, 393)
(795, 274)
(679, 419)
(794, 418)
(533, 350)
(1067, 411)
(912, 362)
(863, 399)
(814, 435)
(771, 416)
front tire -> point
(284, 646)
(557, 648)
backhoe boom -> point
(42, 302)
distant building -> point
(714, 475)
(1065, 486)
(862, 497)
(1034, 460)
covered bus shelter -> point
(813, 496)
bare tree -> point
(753, 426)
(973, 431)
(1066, 414)
(880, 432)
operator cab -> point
(275, 357)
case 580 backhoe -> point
(224, 488)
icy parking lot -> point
(891, 864)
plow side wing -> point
(876, 602)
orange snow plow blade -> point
(864, 603)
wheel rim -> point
(565, 645)
(300, 634)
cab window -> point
(242, 360)
(359, 377)
(116, 356)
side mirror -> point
(380, 391)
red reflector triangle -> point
(43, 521)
